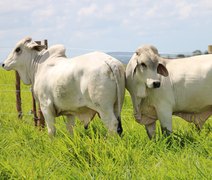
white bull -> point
(81, 86)
(160, 88)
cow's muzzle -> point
(156, 84)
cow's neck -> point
(35, 63)
(28, 72)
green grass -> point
(28, 153)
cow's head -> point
(21, 56)
(144, 72)
(146, 67)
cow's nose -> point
(3, 65)
(156, 84)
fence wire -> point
(13, 102)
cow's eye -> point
(18, 50)
(143, 65)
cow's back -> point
(191, 80)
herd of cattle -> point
(95, 83)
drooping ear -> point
(133, 67)
(33, 45)
(162, 70)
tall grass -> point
(28, 153)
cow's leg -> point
(110, 121)
(150, 129)
(70, 122)
(50, 120)
(165, 118)
(118, 117)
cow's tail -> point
(119, 76)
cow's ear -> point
(134, 63)
(133, 66)
(162, 70)
(35, 46)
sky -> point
(173, 26)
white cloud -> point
(96, 11)
(77, 23)
(152, 11)
(184, 9)
(19, 6)
(41, 15)
(87, 11)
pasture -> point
(28, 153)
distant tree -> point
(180, 56)
(197, 52)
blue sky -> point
(174, 26)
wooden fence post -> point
(18, 95)
(34, 107)
(39, 118)
(34, 110)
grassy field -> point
(27, 153)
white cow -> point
(81, 86)
(160, 88)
